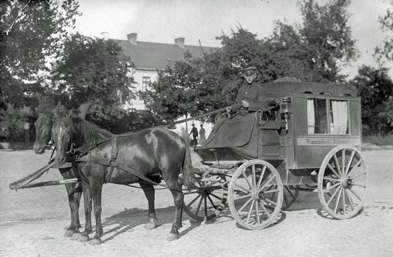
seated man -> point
(240, 132)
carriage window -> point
(316, 116)
(339, 117)
(318, 120)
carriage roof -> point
(287, 87)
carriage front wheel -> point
(342, 182)
(251, 194)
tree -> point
(31, 31)
(321, 44)
(375, 89)
(93, 70)
(385, 51)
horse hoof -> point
(68, 233)
(151, 224)
(83, 239)
(95, 241)
(76, 236)
(172, 237)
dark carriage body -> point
(299, 132)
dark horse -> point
(47, 114)
(125, 159)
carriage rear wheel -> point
(251, 194)
(208, 199)
(342, 182)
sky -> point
(201, 21)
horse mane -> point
(50, 110)
(88, 131)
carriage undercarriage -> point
(255, 192)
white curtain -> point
(311, 116)
(340, 117)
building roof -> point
(153, 56)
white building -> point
(149, 58)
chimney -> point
(104, 35)
(180, 42)
(132, 38)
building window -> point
(318, 119)
(145, 83)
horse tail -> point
(188, 170)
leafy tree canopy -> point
(31, 31)
(93, 70)
(385, 51)
(198, 85)
(375, 89)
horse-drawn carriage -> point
(308, 137)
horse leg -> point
(149, 191)
(74, 193)
(96, 192)
(88, 207)
(178, 196)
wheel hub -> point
(347, 182)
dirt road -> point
(32, 221)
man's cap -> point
(249, 70)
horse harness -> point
(82, 155)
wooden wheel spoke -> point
(265, 210)
(358, 175)
(205, 205)
(250, 211)
(244, 205)
(245, 190)
(272, 191)
(354, 167)
(330, 188)
(333, 170)
(360, 199)
(196, 198)
(199, 206)
(215, 196)
(246, 179)
(338, 200)
(337, 165)
(241, 197)
(358, 185)
(254, 183)
(262, 174)
(289, 191)
(349, 163)
(270, 201)
(344, 209)
(350, 200)
(267, 182)
(332, 197)
(257, 214)
(343, 162)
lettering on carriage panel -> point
(304, 141)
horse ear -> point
(84, 108)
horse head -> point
(43, 125)
(47, 116)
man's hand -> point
(229, 109)
(245, 104)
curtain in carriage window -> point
(311, 116)
(339, 120)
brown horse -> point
(125, 159)
(47, 115)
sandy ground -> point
(33, 221)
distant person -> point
(194, 133)
(202, 132)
